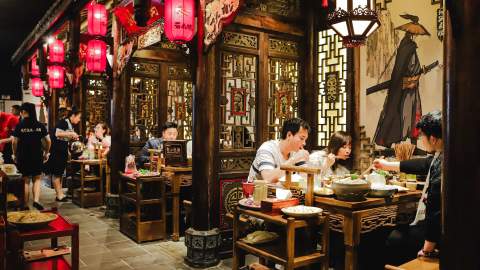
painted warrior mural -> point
(402, 107)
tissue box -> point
(274, 205)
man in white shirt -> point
(286, 151)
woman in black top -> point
(31, 144)
(427, 223)
(57, 162)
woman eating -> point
(333, 160)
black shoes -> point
(38, 206)
(64, 199)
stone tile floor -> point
(104, 247)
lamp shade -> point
(179, 20)
(36, 85)
(96, 56)
(34, 69)
(97, 19)
(354, 21)
(55, 76)
(56, 51)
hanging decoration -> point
(36, 85)
(124, 15)
(354, 21)
(56, 51)
(179, 20)
(96, 56)
(97, 19)
(34, 69)
(55, 76)
(218, 13)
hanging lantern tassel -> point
(325, 3)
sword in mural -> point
(386, 84)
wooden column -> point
(461, 170)
(205, 138)
(74, 44)
(308, 96)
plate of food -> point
(30, 219)
(249, 203)
(259, 237)
(302, 211)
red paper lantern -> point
(34, 69)
(55, 76)
(37, 87)
(97, 19)
(96, 56)
(180, 20)
(56, 51)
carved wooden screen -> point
(332, 92)
(237, 101)
(97, 101)
(282, 84)
(144, 89)
(179, 99)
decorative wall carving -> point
(287, 47)
(235, 164)
(282, 93)
(179, 99)
(230, 194)
(218, 13)
(336, 222)
(379, 217)
(286, 8)
(237, 101)
(146, 69)
(332, 57)
(240, 40)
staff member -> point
(57, 162)
(286, 151)
(31, 144)
(423, 235)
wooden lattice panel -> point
(237, 101)
(282, 93)
(179, 99)
(332, 60)
(96, 101)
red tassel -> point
(324, 3)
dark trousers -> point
(403, 243)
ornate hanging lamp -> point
(56, 51)
(96, 56)
(97, 19)
(55, 76)
(36, 85)
(179, 20)
(354, 21)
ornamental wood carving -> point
(218, 13)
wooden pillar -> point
(74, 44)
(461, 170)
(205, 138)
(308, 95)
(355, 109)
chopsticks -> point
(404, 150)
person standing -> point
(57, 162)
(8, 122)
(31, 144)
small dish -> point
(302, 211)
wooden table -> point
(176, 182)
(421, 263)
(55, 229)
(89, 199)
(283, 251)
(356, 218)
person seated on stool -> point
(422, 237)
(169, 133)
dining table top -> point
(369, 201)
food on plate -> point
(30, 217)
(301, 210)
(323, 191)
(259, 237)
(349, 181)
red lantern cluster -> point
(37, 87)
(96, 55)
(55, 76)
(56, 51)
(180, 20)
(97, 19)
